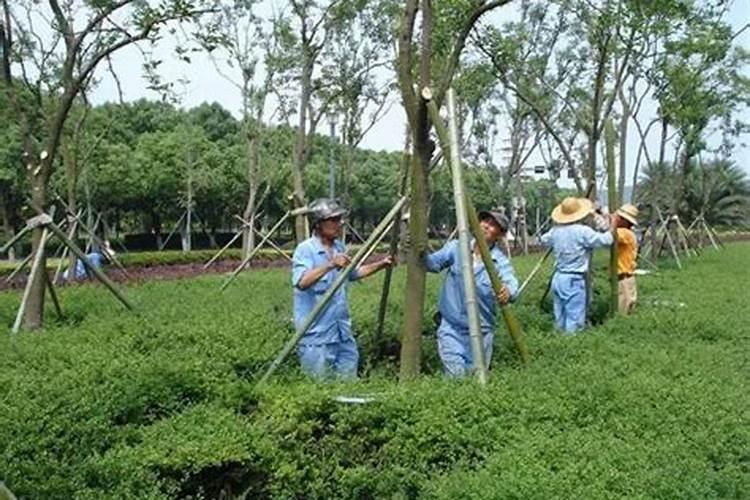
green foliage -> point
(162, 404)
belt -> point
(575, 273)
(624, 276)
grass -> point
(162, 404)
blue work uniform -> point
(454, 343)
(328, 345)
(81, 272)
(572, 245)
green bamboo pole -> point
(14, 239)
(19, 268)
(464, 244)
(609, 139)
(340, 280)
(511, 323)
(534, 271)
(393, 250)
(224, 249)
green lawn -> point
(162, 404)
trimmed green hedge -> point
(163, 403)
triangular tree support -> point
(45, 221)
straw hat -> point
(629, 212)
(571, 210)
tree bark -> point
(34, 316)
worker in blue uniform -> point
(328, 347)
(454, 345)
(572, 241)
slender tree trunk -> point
(34, 317)
(663, 142)
(71, 176)
(302, 144)
(624, 119)
(8, 228)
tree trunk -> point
(8, 228)
(71, 177)
(663, 142)
(301, 152)
(34, 316)
(624, 119)
(248, 235)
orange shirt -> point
(627, 251)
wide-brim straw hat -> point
(629, 212)
(572, 209)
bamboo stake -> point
(609, 139)
(176, 226)
(393, 249)
(534, 271)
(514, 328)
(71, 234)
(464, 235)
(19, 268)
(223, 249)
(27, 290)
(326, 298)
(249, 257)
(53, 294)
(15, 239)
(86, 262)
(260, 233)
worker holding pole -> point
(572, 240)
(454, 344)
(625, 219)
(327, 347)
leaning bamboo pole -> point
(374, 239)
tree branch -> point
(458, 47)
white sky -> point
(205, 85)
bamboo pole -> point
(393, 250)
(260, 233)
(71, 234)
(92, 234)
(534, 271)
(514, 328)
(27, 289)
(53, 294)
(15, 239)
(223, 249)
(609, 139)
(19, 268)
(86, 262)
(464, 237)
(250, 256)
(176, 226)
(326, 298)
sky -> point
(200, 82)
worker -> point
(97, 258)
(454, 345)
(328, 347)
(572, 241)
(626, 218)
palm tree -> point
(719, 189)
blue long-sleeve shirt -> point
(572, 245)
(452, 303)
(333, 323)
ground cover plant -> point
(162, 404)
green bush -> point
(163, 403)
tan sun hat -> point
(629, 212)
(572, 209)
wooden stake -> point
(19, 268)
(53, 294)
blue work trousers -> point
(569, 294)
(334, 359)
(454, 347)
